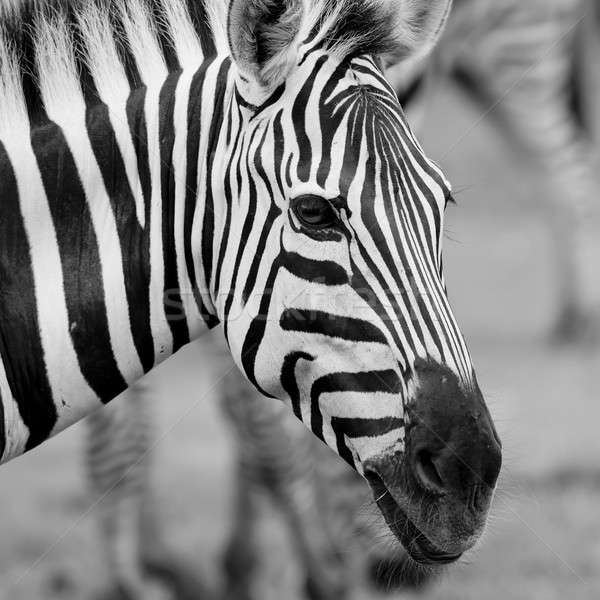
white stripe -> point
(16, 434)
(180, 167)
(216, 177)
(163, 338)
(360, 405)
(183, 34)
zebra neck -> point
(107, 229)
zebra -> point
(262, 175)
(275, 440)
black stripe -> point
(208, 226)
(274, 212)
(299, 121)
(18, 33)
(355, 428)
(124, 51)
(234, 159)
(136, 119)
(80, 259)
(132, 237)
(288, 170)
(256, 331)
(330, 121)
(174, 305)
(345, 328)
(191, 196)
(246, 227)
(288, 379)
(164, 38)
(86, 79)
(279, 151)
(199, 18)
(21, 348)
(386, 382)
(325, 272)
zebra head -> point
(330, 279)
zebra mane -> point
(56, 49)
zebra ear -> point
(263, 38)
(419, 25)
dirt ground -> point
(544, 539)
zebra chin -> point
(435, 496)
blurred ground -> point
(544, 540)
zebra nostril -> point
(427, 471)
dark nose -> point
(453, 448)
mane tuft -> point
(58, 49)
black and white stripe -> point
(93, 160)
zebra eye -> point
(314, 212)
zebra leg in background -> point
(299, 496)
(140, 565)
(276, 462)
(242, 557)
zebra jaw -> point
(422, 550)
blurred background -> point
(543, 541)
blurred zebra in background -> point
(528, 64)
